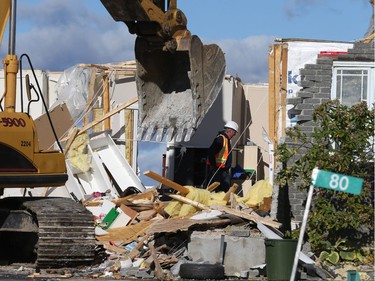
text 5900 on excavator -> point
(178, 78)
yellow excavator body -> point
(22, 163)
(178, 78)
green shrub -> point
(342, 142)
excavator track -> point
(65, 230)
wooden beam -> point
(277, 73)
(284, 87)
(271, 92)
(129, 135)
(109, 114)
(255, 218)
(90, 96)
(106, 105)
(213, 186)
(71, 138)
(159, 274)
(231, 190)
(189, 201)
(167, 182)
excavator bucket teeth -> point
(175, 90)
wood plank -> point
(213, 186)
(113, 112)
(106, 102)
(277, 73)
(71, 138)
(271, 92)
(159, 274)
(255, 218)
(174, 225)
(284, 87)
(167, 182)
(127, 233)
(129, 135)
(113, 248)
(189, 201)
(90, 96)
(135, 251)
(231, 190)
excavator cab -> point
(178, 78)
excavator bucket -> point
(178, 78)
(175, 90)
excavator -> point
(178, 78)
(51, 232)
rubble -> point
(150, 243)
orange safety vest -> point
(222, 156)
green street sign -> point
(335, 181)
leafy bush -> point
(343, 142)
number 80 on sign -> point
(335, 181)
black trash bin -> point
(280, 258)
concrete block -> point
(240, 254)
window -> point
(353, 82)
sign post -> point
(328, 180)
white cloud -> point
(59, 34)
(248, 58)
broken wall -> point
(314, 80)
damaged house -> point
(176, 228)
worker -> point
(220, 157)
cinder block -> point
(241, 253)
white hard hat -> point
(231, 125)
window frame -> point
(351, 65)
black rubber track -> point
(66, 236)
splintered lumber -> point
(109, 114)
(189, 201)
(146, 214)
(213, 186)
(167, 182)
(147, 196)
(174, 225)
(49, 275)
(135, 252)
(127, 233)
(158, 270)
(231, 190)
(114, 248)
(71, 138)
(255, 218)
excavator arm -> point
(178, 78)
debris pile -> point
(145, 237)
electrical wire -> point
(41, 96)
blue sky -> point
(58, 34)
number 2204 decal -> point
(25, 143)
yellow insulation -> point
(255, 196)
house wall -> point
(256, 118)
(316, 79)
